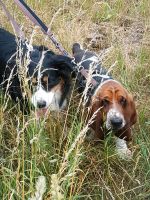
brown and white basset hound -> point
(109, 102)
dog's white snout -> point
(44, 99)
(40, 99)
(115, 119)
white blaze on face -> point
(52, 99)
(114, 113)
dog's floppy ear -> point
(133, 113)
(96, 115)
(96, 109)
(64, 64)
(65, 68)
(76, 48)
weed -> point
(54, 147)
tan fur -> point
(59, 86)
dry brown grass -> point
(117, 31)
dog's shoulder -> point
(4, 35)
(8, 44)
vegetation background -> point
(119, 32)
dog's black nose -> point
(116, 122)
(41, 104)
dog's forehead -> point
(39, 60)
(113, 90)
(50, 72)
(42, 71)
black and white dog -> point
(88, 60)
(48, 75)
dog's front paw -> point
(124, 153)
(122, 149)
(90, 135)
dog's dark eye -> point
(123, 101)
(34, 81)
(105, 102)
(45, 80)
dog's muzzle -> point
(115, 120)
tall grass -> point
(54, 147)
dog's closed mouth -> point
(41, 112)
